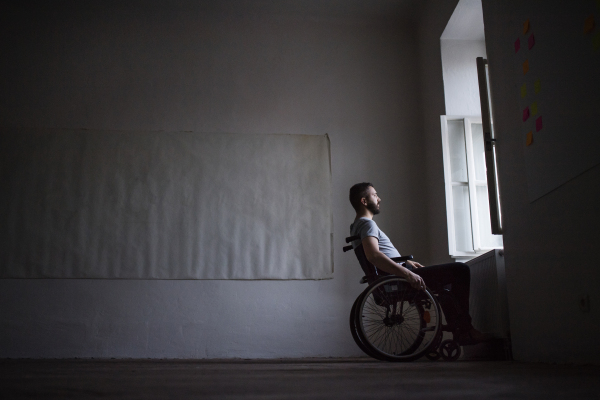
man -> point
(379, 250)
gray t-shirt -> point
(365, 227)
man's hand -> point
(415, 281)
(383, 262)
(414, 264)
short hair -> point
(357, 192)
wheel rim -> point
(450, 350)
(396, 321)
(355, 335)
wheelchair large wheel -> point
(395, 321)
(356, 337)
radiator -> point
(488, 304)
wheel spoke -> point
(391, 321)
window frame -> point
(471, 184)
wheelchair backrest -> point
(371, 271)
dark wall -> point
(241, 67)
(551, 244)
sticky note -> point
(526, 27)
(531, 41)
(588, 24)
(596, 41)
(525, 67)
(529, 138)
(517, 44)
(534, 108)
(598, 4)
(526, 114)
(538, 124)
(524, 90)
(537, 86)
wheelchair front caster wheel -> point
(433, 355)
(450, 350)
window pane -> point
(462, 218)
(485, 227)
(478, 151)
(458, 155)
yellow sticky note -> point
(596, 41)
(525, 67)
(534, 108)
(588, 24)
(537, 86)
(524, 90)
(529, 138)
(526, 27)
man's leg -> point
(457, 277)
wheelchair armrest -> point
(346, 248)
(352, 238)
(400, 259)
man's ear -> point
(363, 201)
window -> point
(466, 183)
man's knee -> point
(462, 269)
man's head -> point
(363, 195)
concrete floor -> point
(294, 379)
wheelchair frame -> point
(391, 321)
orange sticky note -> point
(526, 27)
(525, 67)
(537, 86)
(529, 138)
(588, 24)
(524, 90)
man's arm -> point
(383, 262)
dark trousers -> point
(457, 278)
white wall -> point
(462, 41)
(461, 87)
(433, 18)
(172, 68)
(551, 244)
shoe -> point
(473, 336)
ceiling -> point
(353, 9)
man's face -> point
(372, 200)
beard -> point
(373, 207)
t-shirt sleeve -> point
(369, 228)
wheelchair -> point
(391, 321)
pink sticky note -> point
(531, 41)
(538, 124)
(517, 44)
(526, 114)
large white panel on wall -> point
(157, 205)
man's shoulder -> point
(363, 223)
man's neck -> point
(364, 214)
